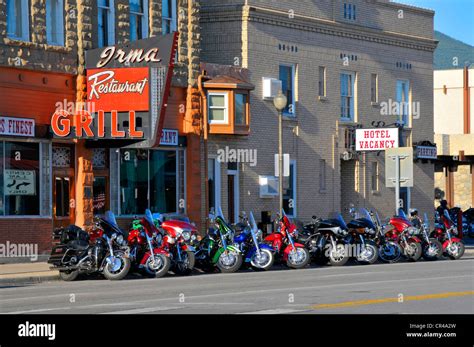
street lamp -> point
(279, 101)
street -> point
(439, 287)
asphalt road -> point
(423, 287)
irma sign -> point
(376, 139)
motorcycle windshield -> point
(363, 213)
(157, 217)
(149, 217)
(220, 213)
(341, 221)
(447, 216)
(402, 214)
(253, 224)
(109, 217)
(426, 221)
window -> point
(287, 77)
(374, 87)
(18, 20)
(347, 96)
(240, 109)
(55, 22)
(168, 19)
(289, 191)
(322, 81)
(138, 19)
(322, 175)
(218, 108)
(375, 176)
(20, 178)
(403, 100)
(349, 11)
(106, 23)
(150, 179)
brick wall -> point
(27, 230)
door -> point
(233, 193)
(64, 202)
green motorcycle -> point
(216, 249)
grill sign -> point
(376, 139)
(17, 126)
(118, 89)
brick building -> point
(341, 63)
(42, 67)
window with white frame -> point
(347, 96)
(105, 23)
(55, 22)
(18, 20)
(349, 11)
(322, 81)
(218, 108)
(138, 19)
(287, 78)
(403, 100)
(169, 16)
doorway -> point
(233, 192)
(64, 203)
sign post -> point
(398, 170)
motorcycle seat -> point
(78, 245)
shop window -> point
(62, 188)
(218, 108)
(21, 178)
(163, 173)
(287, 77)
(100, 195)
(289, 191)
(18, 20)
(134, 181)
(347, 96)
(138, 19)
(55, 22)
(106, 23)
(169, 16)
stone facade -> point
(260, 35)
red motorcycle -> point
(179, 237)
(404, 233)
(146, 251)
(294, 254)
(453, 247)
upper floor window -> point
(287, 77)
(374, 87)
(18, 20)
(106, 23)
(349, 11)
(347, 95)
(138, 19)
(55, 22)
(169, 14)
(322, 81)
(403, 100)
(218, 108)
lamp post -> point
(279, 101)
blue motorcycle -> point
(257, 254)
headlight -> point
(193, 237)
(158, 238)
(119, 239)
(186, 235)
(114, 235)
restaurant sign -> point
(17, 126)
(376, 139)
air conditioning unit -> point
(270, 87)
(268, 186)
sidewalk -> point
(24, 273)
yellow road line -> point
(394, 299)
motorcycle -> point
(431, 247)
(405, 234)
(216, 248)
(362, 232)
(257, 254)
(453, 247)
(146, 252)
(294, 254)
(107, 254)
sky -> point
(454, 18)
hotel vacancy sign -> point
(17, 126)
(19, 182)
(376, 139)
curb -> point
(28, 280)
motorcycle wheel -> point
(302, 258)
(413, 251)
(68, 275)
(164, 264)
(264, 262)
(120, 273)
(456, 250)
(390, 252)
(369, 255)
(185, 267)
(433, 251)
(339, 256)
(230, 262)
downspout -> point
(204, 137)
(467, 102)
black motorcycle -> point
(76, 254)
(362, 232)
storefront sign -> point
(169, 137)
(19, 182)
(426, 152)
(376, 139)
(118, 89)
(17, 126)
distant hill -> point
(448, 48)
